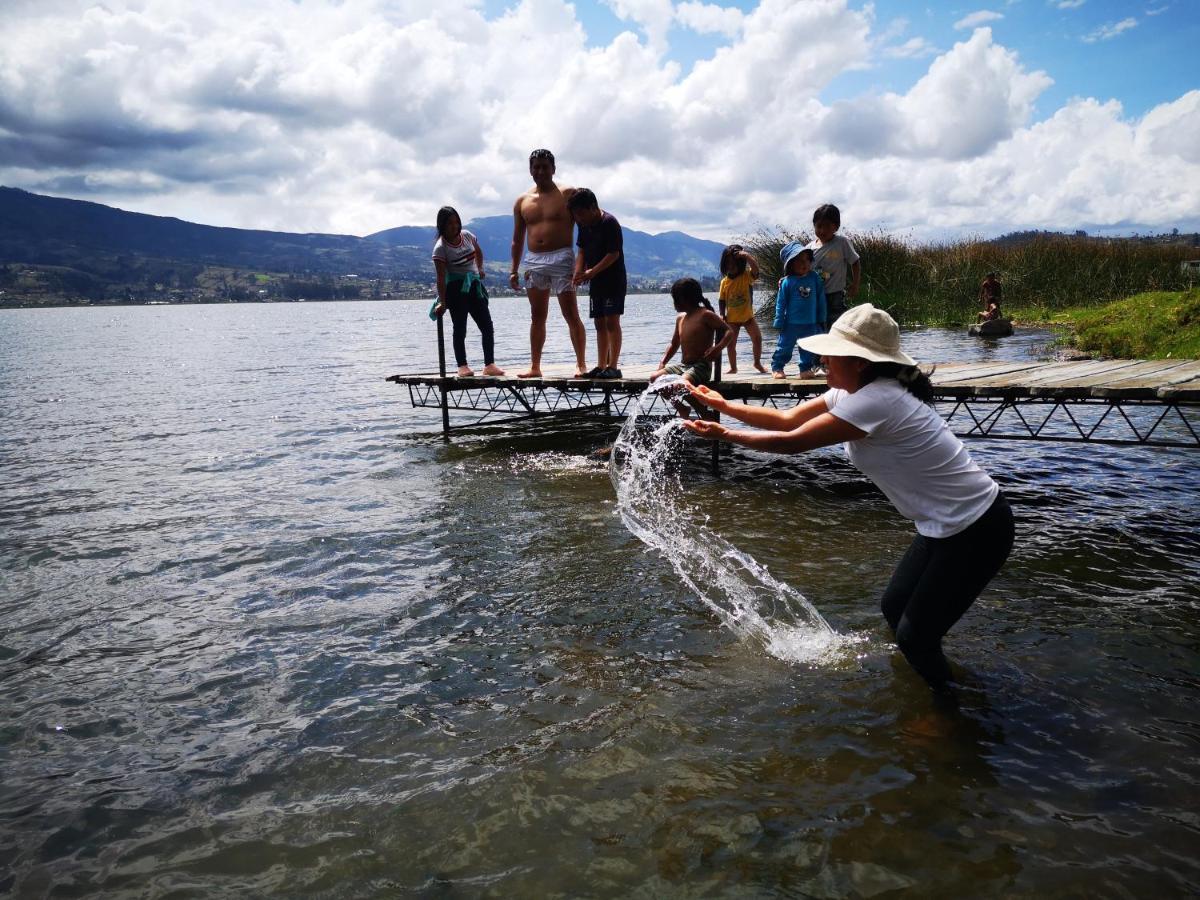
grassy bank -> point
(938, 284)
(1151, 325)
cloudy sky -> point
(930, 120)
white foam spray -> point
(731, 583)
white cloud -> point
(981, 17)
(1067, 4)
(973, 97)
(359, 115)
(913, 48)
(1157, 11)
(707, 18)
(652, 16)
(1110, 31)
(1172, 129)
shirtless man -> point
(541, 214)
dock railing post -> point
(441, 332)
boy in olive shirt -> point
(835, 260)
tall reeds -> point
(938, 283)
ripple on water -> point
(264, 633)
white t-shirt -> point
(460, 258)
(911, 455)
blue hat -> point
(788, 252)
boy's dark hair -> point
(687, 291)
(828, 213)
(583, 198)
(443, 217)
(732, 264)
(911, 378)
(541, 154)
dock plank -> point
(1138, 382)
(1181, 389)
(1166, 380)
(1019, 382)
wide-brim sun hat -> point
(863, 331)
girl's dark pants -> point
(473, 302)
(937, 580)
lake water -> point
(262, 633)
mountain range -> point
(89, 245)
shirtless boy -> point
(540, 214)
(696, 328)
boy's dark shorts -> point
(606, 305)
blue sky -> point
(1089, 49)
(716, 118)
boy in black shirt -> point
(601, 261)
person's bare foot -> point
(760, 367)
(492, 370)
(465, 372)
(732, 370)
(682, 408)
(778, 374)
(808, 373)
(580, 371)
(532, 373)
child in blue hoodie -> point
(799, 309)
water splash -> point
(739, 590)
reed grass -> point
(938, 283)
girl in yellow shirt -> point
(738, 272)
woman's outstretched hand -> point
(712, 431)
(706, 395)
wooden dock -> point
(1151, 402)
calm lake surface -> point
(262, 633)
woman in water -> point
(878, 408)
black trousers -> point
(835, 305)
(474, 303)
(937, 581)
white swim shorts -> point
(550, 271)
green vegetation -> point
(938, 283)
(1152, 325)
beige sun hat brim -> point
(834, 344)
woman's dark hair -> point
(732, 264)
(828, 213)
(911, 378)
(443, 217)
(583, 198)
(688, 293)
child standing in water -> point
(458, 261)
(835, 260)
(738, 272)
(799, 309)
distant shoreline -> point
(411, 299)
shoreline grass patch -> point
(1150, 325)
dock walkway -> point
(1124, 401)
